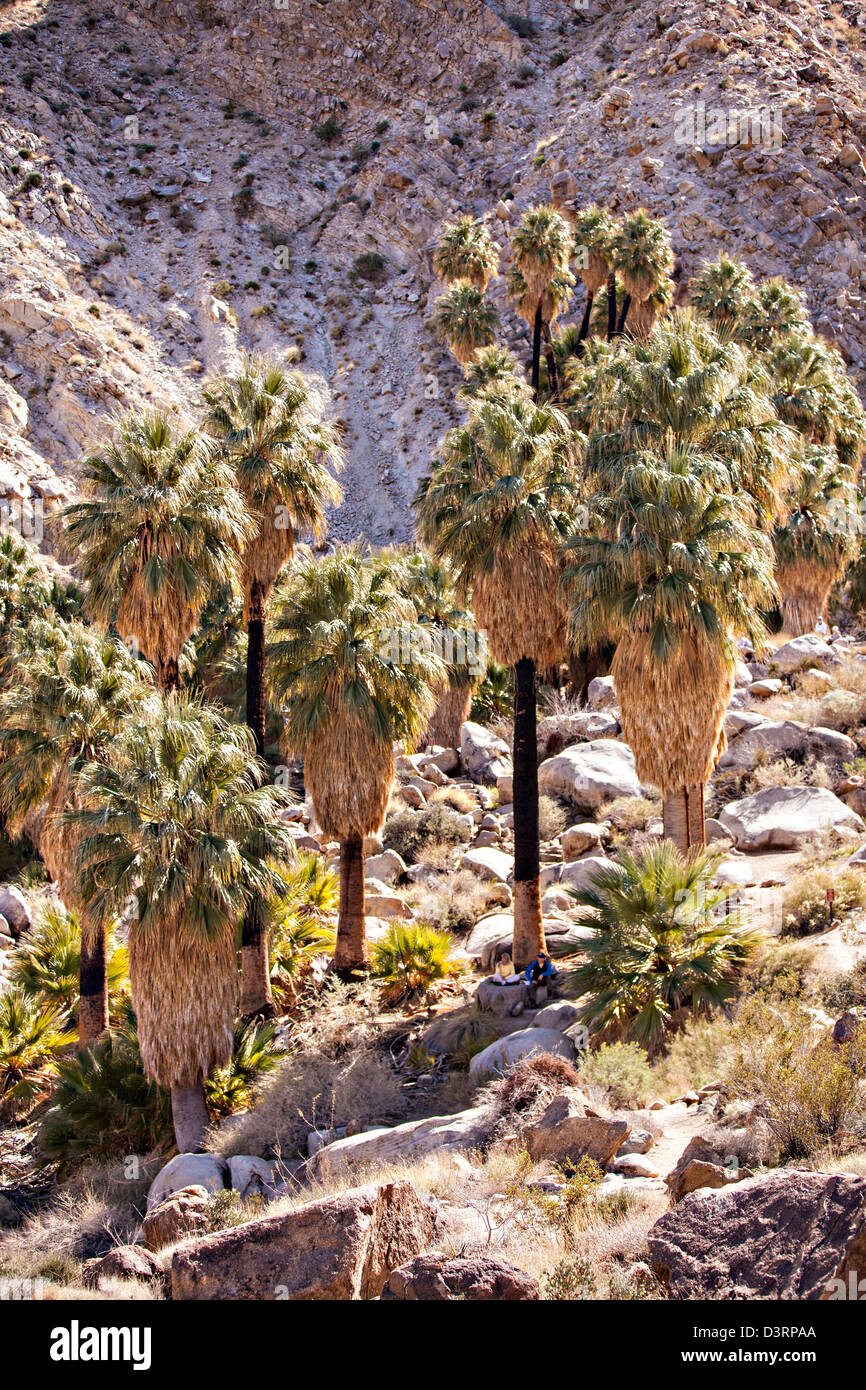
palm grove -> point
(652, 484)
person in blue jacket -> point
(537, 976)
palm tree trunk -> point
(256, 666)
(584, 325)
(620, 325)
(351, 955)
(256, 998)
(611, 306)
(683, 818)
(536, 350)
(191, 1120)
(93, 1001)
(552, 369)
(167, 674)
(528, 925)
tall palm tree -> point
(496, 503)
(430, 585)
(270, 426)
(721, 291)
(465, 320)
(183, 824)
(465, 250)
(643, 257)
(676, 568)
(819, 535)
(594, 229)
(540, 280)
(346, 701)
(158, 528)
(72, 692)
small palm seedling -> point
(410, 958)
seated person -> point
(538, 975)
(503, 973)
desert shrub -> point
(780, 971)
(455, 903)
(784, 772)
(620, 1069)
(458, 798)
(694, 1056)
(808, 1093)
(336, 1071)
(411, 832)
(847, 991)
(628, 814)
(552, 818)
(804, 905)
(571, 1278)
(410, 958)
(370, 266)
(528, 1088)
(460, 1033)
(566, 1210)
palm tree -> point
(157, 530)
(643, 256)
(24, 587)
(496, 505)
(465, 250)
(492, 367)
(540, 280)
(72, 693)
(184, 825)
(46, 963)
(818, 537)
(430, 585)
(465, 320)
(270, 425)
(657, 945)
(813, 394)
(721, 292)
(33, 1039)
(347, 699)
(676, 568)
(774, 309)
(594, 230)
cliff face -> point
(179, 182)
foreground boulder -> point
(569, 1130)
(339, 1248)
(589, 774)
(785, 817)
(124, 1262)
(700, 1165)
(476, 1277)
(529, 1042)
(188, 1170)
(402, 1143)
(788, 1234)
(182, 1214)
(483, 755)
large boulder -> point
(483, 756)
(499, 1000)
(476, 1277)
(701, 1165)
(772, 740)
(337, 1248)
(13, 906)
(559, 1015)
(501, 1055)
(580, 873)
(789, 1234)
(579, 839)
(809, 650)
(589, 774)
(559, 731)
(387, 867)
(601, 693)
(402, 1143)
(124, 1262)
(569, 1130)
(488, 864)
(188, 1170)
(785, 817)
(184, 1213)
(490, 930)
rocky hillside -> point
(178, 183)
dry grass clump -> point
(805, 909)
(458, 798)
(695, 1056)
(784, 772)
(847, 991)
(527, 1089)
(453, 904)
(460, 1033)
(552, 818)
(621, 1072)
(337, 1072)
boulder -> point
(499, 1000)
(768, 739)
(337, 1248)
(403, 1143)
(559, 731)
(446, 759)
(580, 872)
(250, 1177)
(505, 788)
(569, 1129)
(387, 866)
(640, 1141)
(560, 1015)
(589, 774)
(788, 1234)
(388, 907)
(188, 1170)
(13, 906)
(601, 693)
(528, 1042)
(483, 756)
(738, 720)
(634, 1165)
(184, 1213)
(765, 688)
(124, 1262)
(475, 1277)
(785, 817)
(578, 839)
(809, 650)
(488, 864)
(6, 940)
(498, 926)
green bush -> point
(805, 909)
(846, 991)
(45, 965)
(408, 833)
(33, 1039)
(411, 957)
(620, 1069)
